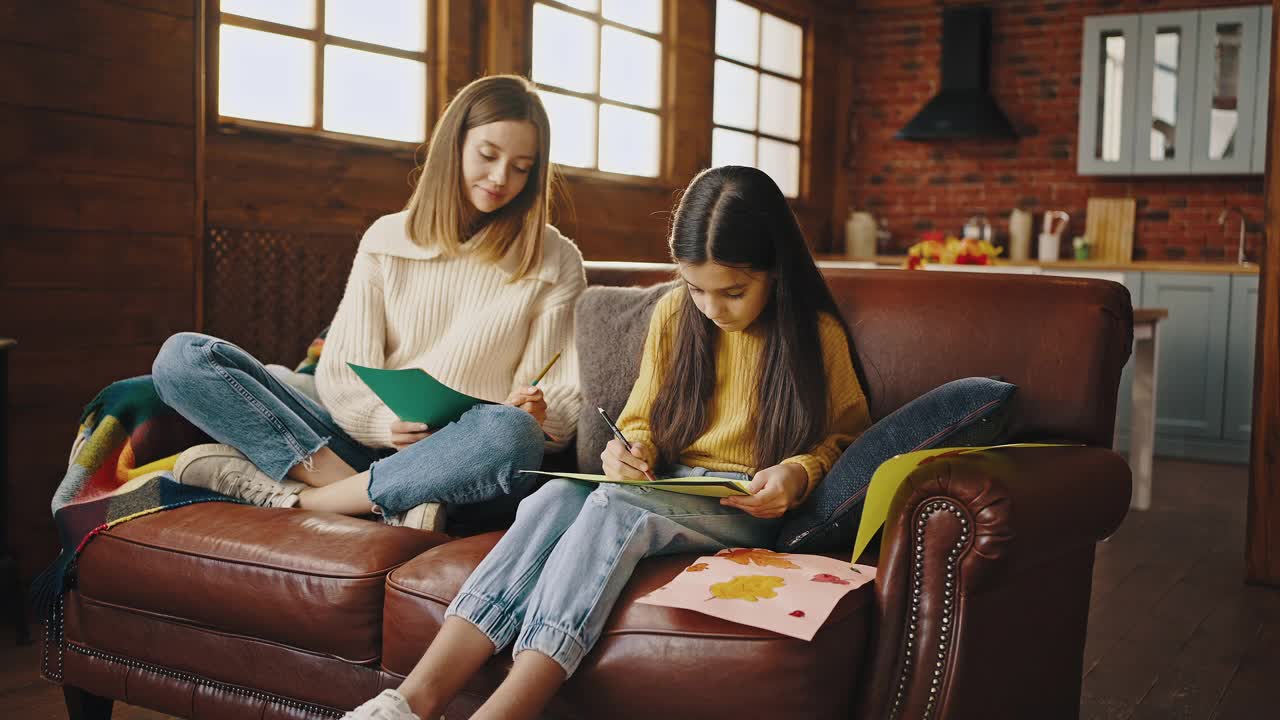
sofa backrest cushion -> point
(1062, 341)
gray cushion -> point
(966, 412)
(610, 325)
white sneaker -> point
(224, 469)
(427, 516)
(386, 705)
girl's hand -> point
(623, 464)
(774, 490)
(404, 434)
(530, 400)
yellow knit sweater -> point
(728, 441)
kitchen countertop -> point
(1134, 266)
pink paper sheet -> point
(788, 594)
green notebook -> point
(701, 485)
(414, 396)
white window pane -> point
(734, 99)
(298, 13)
(781, 46)
(640, 14)
(628, 141)
(573, 129)
(265, 76)
(737, 31)
(564, 49)
(375, 95)
(779, 107)
(630, 67)
(588, 5)
(782, 162)
(394, 23)
(729, 147)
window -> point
(599, 63)
(757, 101)
(370, 59)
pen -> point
(621, 438)
(545, 369)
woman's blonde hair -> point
(439, 209)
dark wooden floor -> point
(1173, 632)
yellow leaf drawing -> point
(763, 558)
(747, 587)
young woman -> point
(746, 373)
(468, 283)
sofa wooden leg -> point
(83, 705)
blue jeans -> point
(553, 578)
(227, 393)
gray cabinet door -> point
(1237, 414)
(1193, 350)
(1226, 90)
(1109, 74)
(1263, 103)
(1166, 92)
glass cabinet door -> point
(1226, 90)
(1166, 92)
(1108, 74)
(1261, 135)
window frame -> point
(665, 119)
(805, 81)
(320, 39)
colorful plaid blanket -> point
(120, 468)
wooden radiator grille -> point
(271, 292)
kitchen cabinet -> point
(1192, 358)
(1237, 413)
(1175, 93)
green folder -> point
(414, 396)
(700, 485)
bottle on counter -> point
(1019, 235)
(860, 235)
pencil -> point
(545, 370)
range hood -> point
(963, 108)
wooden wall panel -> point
(97, 241)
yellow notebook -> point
(700, 485)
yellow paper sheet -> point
(706, 486)
(890, 476)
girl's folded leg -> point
(475, 459)
(229, 394)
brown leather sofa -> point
(978, 610)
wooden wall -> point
(97, 218)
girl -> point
(746, 373)
(469, 283)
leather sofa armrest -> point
(984, 582)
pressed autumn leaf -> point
(763, 558)
(748, 587)
(796, 613)
(829, 578)
(697, 567)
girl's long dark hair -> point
(737, 216)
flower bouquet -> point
(935, 247)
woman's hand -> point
(774, 490)
(530, 400)
(404, 434)
(623, 464)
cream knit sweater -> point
(461, 319)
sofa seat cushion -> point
(310, 581)
(652, 661)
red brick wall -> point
(1036, 47)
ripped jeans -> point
(553, 578)
(230, 395)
